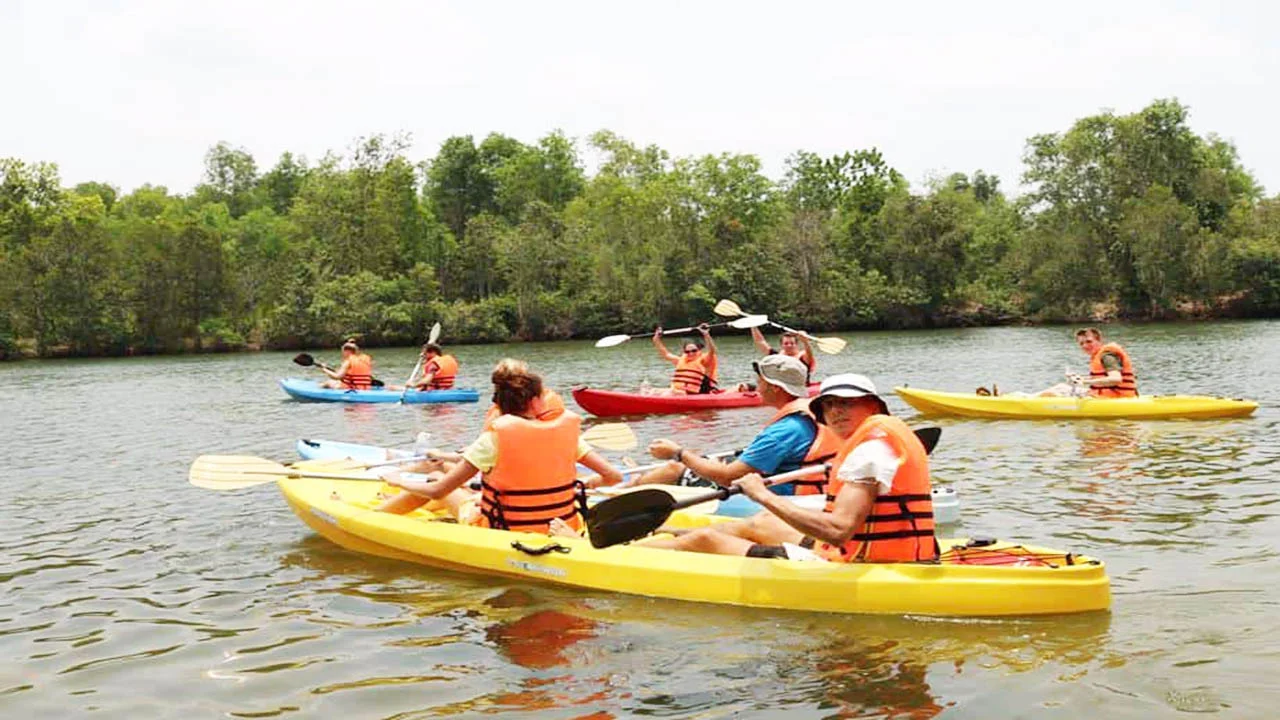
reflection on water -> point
(116, 569)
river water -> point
(126, 592)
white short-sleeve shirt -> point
(872, 460)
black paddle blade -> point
(304, 359)
(929, 438)
(628, 516)
(375, 382)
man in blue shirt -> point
(780, 447)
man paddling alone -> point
(1111, 373)
(439, 371)
(879, 505)
(792, 438)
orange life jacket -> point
(690, 374)
(826, 444)
(359, 375)
(547, 406)
(446, 369)
(899, 527)
(1128, 386)
(535, 478)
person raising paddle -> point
(696, 369)
(355, 372)
(879, 505)
(439, 371)
(793, 345)
(529, 465)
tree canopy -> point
(1126, 216)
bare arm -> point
(338, 374)
(809, 358)
(437, 488)
(607, 474)
(710, 344)
(662, 349)
(761, 344)
(852, 506)
(714, 470)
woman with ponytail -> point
(529, 465)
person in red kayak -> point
(1111, 373)
(793, 345)
(355, 372)
(696, 369)
(879, 505)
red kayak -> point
(604, 403)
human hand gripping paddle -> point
(305, 360)
(433, 336)
(231, 472)
(636, 514)
(742, 323)
(828, 345)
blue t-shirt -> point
(781, 447)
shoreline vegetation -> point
(1128, 217)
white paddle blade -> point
(434, 335)
(611, 436)
(750, 321)
(831, 345)
(727, 308)
(612, 340)
(231, 472)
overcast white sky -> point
(134, 92)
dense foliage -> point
(1127, 215)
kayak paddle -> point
(305, 360)
(634, 515)
(433, 336)
(742, 323)
(610, 436)
(828, 345)
(231, 472)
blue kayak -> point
(332, 450)
(311, 390)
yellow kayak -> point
(973, 579)
(936, 402)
